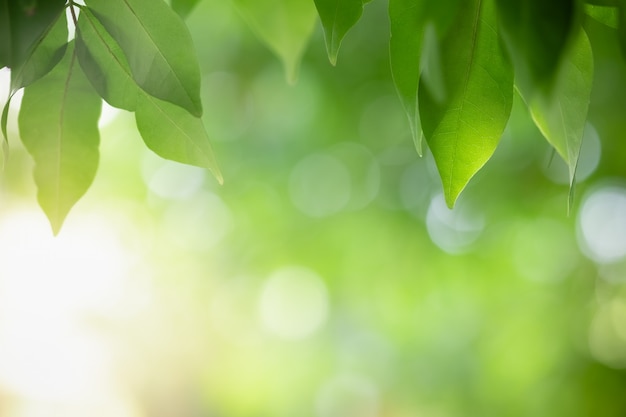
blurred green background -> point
(326, 277)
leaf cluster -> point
(137, 55)
(456, 64)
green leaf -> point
(561, 115)
(608, 16)
(24, 23)
(46, 53)
(337, 17)
(285, 26)
(463, 130)
(158, 47)
(173, 133)
(5, 34)
(621, 25)
(409, 20)
(536, 33)
(58, 124)
(184, 7)
(104, 63)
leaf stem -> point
(72, 4)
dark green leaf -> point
(337, 17)
(47, 52)
(561, 115)
(621, 25)
(409, 20)
(58, 124)
(5, 34)
(284, 25)
(184, 7)
(26, 22)
(173, 133)
(463, 130)
(158, 47)
(104, 63)
(536, 33)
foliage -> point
(456, 65)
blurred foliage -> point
(326, 277)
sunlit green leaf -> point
(409, 20)
(184, 7)
(173, 133)
(337, 17)
(561, 116)
(46, 53)
(58, 124)
(284, 25)
(104, 63)
(26, 22)
(463, 130)
(158, 47)
(606, 15)
(536, 33)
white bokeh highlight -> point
(293, 303)
(602, 224)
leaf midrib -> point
(178, 80)
(60, 138)
(470, 64)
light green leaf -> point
(173, 133)
(409, 20)
(337, 17)
(104, 63)
(184, 7)
(58, 124)
(536, 33)
(284, 25)
(46, 53)
(158, 47)
(608, 16)
(463, 130)
(561, 116)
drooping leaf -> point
(561, 115)
(3, 126)
(184, 7)
(104, 63)
(463, 130)
(409, 20)
(26, 22)
(158, 47)
(173, 133)
(536, 33)
(337, 17)
(58, 124)
(608, 16)
(46, 53)
(284, 25)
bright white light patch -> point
(320, 185)
(49, 287)
(602, 224)
(293, 303)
